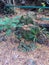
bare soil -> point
(9, 54)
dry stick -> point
(14, 5)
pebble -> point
(41, 39)
(30, 62)
(15, 57)
(2, 38)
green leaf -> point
(1, 28)
(13, 25)
(15, 21)
(2, 23)
(19, 25)
(8, 32)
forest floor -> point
(9, 54)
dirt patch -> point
(9, 54)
